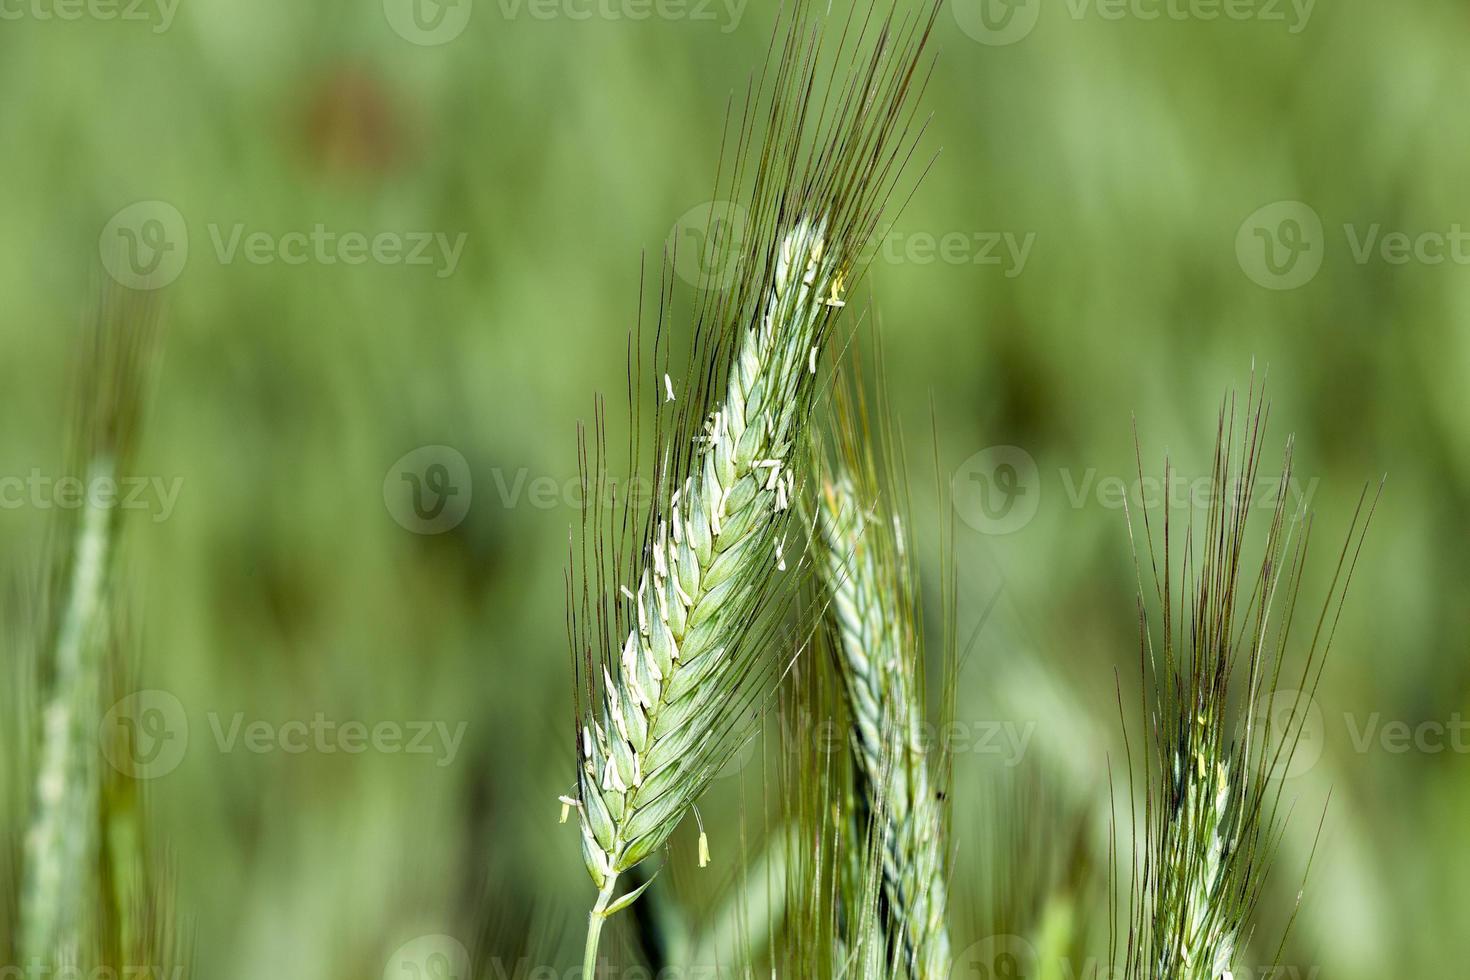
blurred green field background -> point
(1130, 151)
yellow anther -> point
(837, 285)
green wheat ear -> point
(1210, 822)
(674, 601)
(89, 892)
(873, 620)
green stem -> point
(594, 927)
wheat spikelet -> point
(1211, 779)
(677, 604)
(872, 619)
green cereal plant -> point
(89, 890)
(674, 600)
(1222, 722)
(874, 624)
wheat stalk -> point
(61, 843)
(1211, 779)
(89, 895)
(670, 629)
(872, 618)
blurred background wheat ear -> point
(281, 583)
(86, 889)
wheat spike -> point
(87, 896)
(663, 697)
(61, 843)
(672, 622)
(1211, 776)
(877, 647)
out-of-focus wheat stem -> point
(87, 895)
(62, 836)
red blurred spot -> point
(352, 126)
